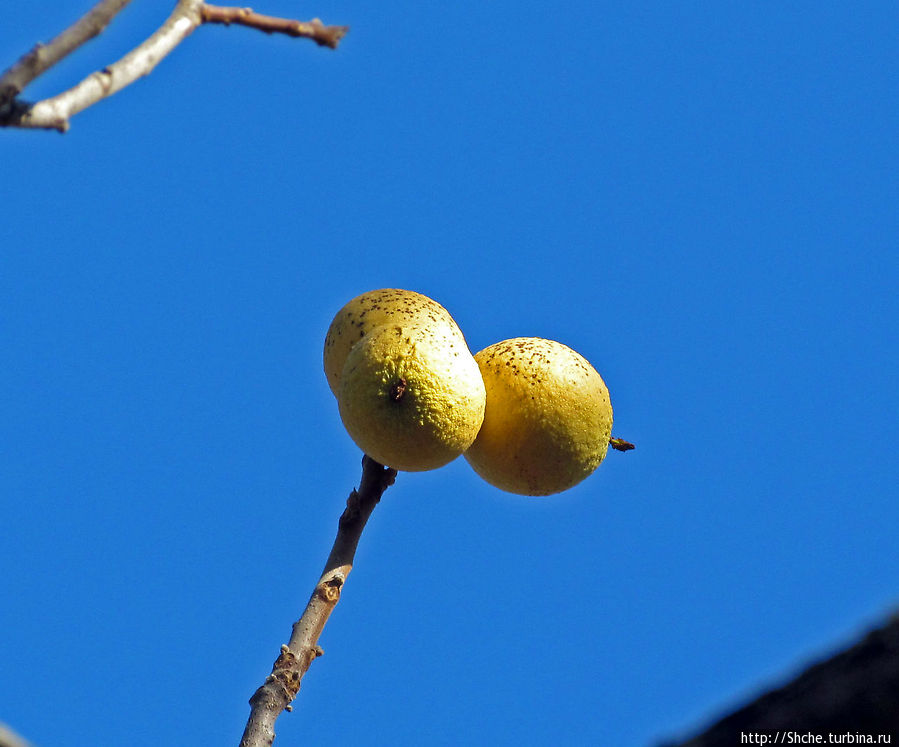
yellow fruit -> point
(548, 417)
(411, 397)
(372, 309)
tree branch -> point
(54, 113)
(281, 686)
(325, 36)
(44, 56)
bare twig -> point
(281, 686)
(43, 56)
(54, 113)
(325, 36)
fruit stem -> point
(281, 686)
(619, 444)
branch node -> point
(329, 589)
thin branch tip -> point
(324, 36)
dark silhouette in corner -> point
(855, 691)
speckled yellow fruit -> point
(548, 417)
(373, 309)
(412, 398)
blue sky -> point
(699, 198)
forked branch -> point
(54, 113)
(281, 686)
(42, 57)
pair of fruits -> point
(530, 415)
